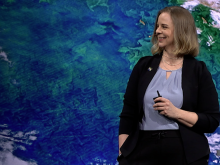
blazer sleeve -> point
(129, 114)
(208, 105)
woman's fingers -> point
(161, 99)
(159, 108)
(159, 104)
(164, 107)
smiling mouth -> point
(159, 38)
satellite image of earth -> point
(64, 68)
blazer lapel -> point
(186, 72)
(148, 73)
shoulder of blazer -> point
(146, 60)
(193, 67)
(193, 61)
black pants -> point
(159, 148)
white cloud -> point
(214, 142)
(216, 17)
(190, 4)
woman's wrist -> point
(186, 117)
(178, 114)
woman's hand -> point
(169, 110)
(121, 140)
(166, 108)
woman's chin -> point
(161, 46)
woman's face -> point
(165, 31)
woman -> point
(169, 129)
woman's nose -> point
(158, 30)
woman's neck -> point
(170, 55)
(171, 59)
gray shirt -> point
(170, 89)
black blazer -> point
(199, 96)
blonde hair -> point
(185, 34)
